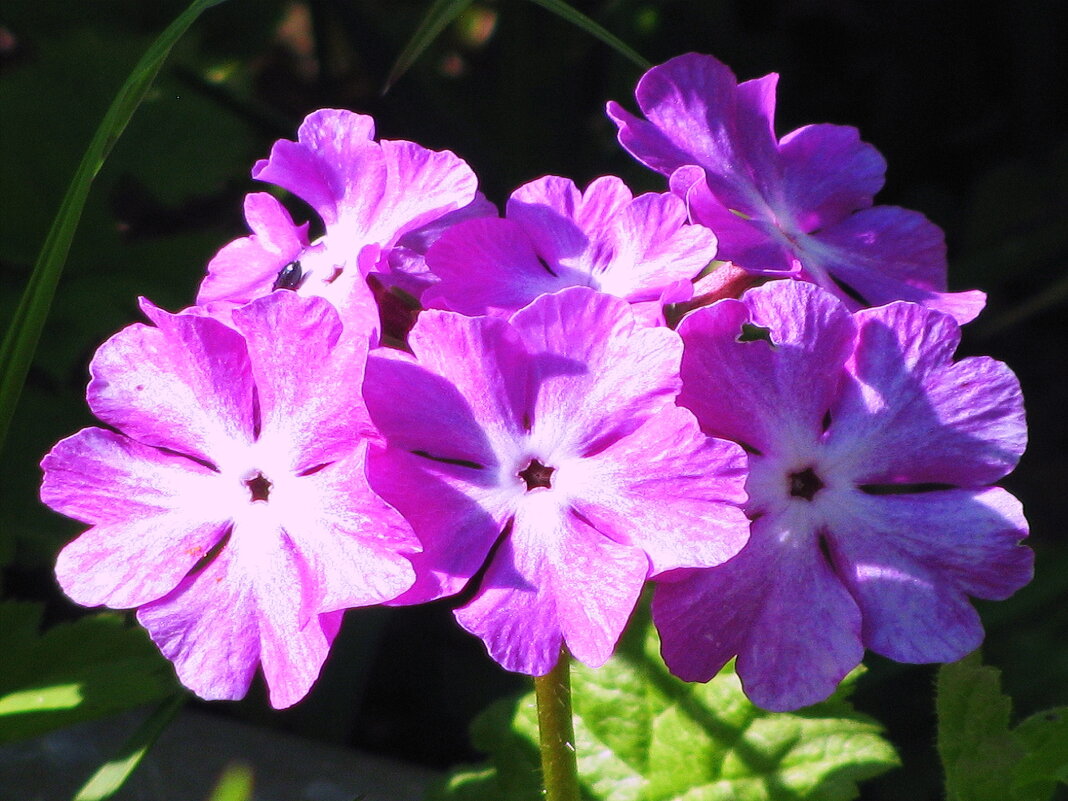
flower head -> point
(547, 449)
(799, 206)
(368, 194)
(232, 508)
(555, 236)
(871, 458)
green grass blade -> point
(110, 777)
(24, 331)
(440, 14)
(577, 18)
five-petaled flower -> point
(800, 206)
(548, 450)
(871, 455)
(232, 509)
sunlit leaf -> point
(643, 735)
(111, 776)
(74, 671)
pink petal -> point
(155, 515)
(767, 396)
(778, 605)
(184, 385)
(488, 266)
(910, 560)
(667, 489)
(598, 372)
(912, 415)
(248, 267)
(554, 579)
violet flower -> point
(871, 455)
(797, 207)
(547, 449)
(556, 236)
(369, 195)
(233, 509)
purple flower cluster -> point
(800, 465)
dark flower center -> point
(536, 475)
(259, 486)
(805, 484)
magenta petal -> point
(184, 385)
(334, 166)
(912, 415)
(308, 388)
(154, 514)
(247, 267)
(598, 372)
(828, 173)
(766, 395)
(777, 605)
(911, 559)
(350, 541)
(487, 266)
(554, 578)
(668, 489)
(456, 511)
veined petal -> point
(667, 489)
(554, 579)
(911, 560)
(911, 415)
(154, 516)
(768, 395)
(598, 373)
(184, 385)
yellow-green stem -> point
(557, 732)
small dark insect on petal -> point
(289, 277)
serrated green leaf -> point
(580, 20)
(978, 751)
(643, 735)
(1044, 737)
(437, 17)
(74, 671)
(24, 331)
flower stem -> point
(557, 732)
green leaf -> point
(112, 775)
(24, 331)
(643, 735)
(74, 671)
(437, 17)
(580, 20)
(1045, 738)
(984, 760)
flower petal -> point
(911, 415)
(155, 515)
(910, 561)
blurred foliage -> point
(966, 106)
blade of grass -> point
(440, 14)
(580, 20)
(24, 331)
(110, 777)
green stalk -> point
(557, 732)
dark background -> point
(966, 107)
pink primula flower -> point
(547, 449)
(369, 195)
(555, 236)
(798, 207)
(231, 508)
(872, 455)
